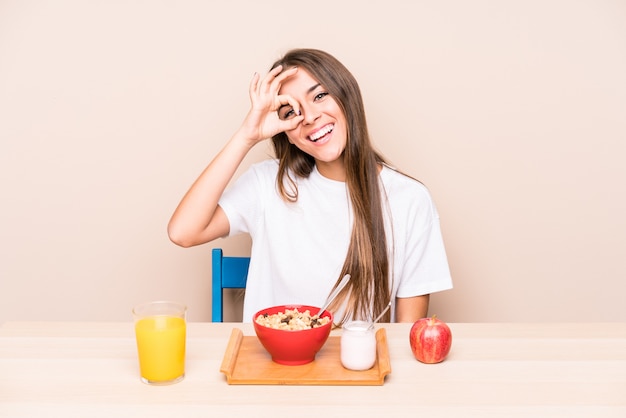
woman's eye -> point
(320, 96)
(286, 113)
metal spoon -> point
(341, 285)
(380, 316)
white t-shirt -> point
(299, 248)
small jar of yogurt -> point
(358, 345)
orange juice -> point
(161, 347)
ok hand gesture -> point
(262, 121)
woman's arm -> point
(411, 309)
(198, 218)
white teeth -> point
(317, 135)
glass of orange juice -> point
(160, 329)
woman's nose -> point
(310, 115)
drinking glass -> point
(160, 329)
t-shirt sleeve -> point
(242, 201)
(425, 269)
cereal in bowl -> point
(291, 320)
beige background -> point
(512, 113)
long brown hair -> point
(367, 261)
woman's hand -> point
(262, 121)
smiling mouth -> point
(316, 136)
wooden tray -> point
(246, 362)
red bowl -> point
(296, 347)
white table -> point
(73, 369)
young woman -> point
(326, 206)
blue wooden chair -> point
(227, 273)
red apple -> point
(430, 340)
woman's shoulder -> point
(263, 169)
(270, 165)
(406, 194)
(399, 181)
(258, 176)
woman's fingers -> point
(287, 107)
(272, 82)
(278, 79)
(264, 87)
(264, 93)
(254, 85)
(269, 107)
